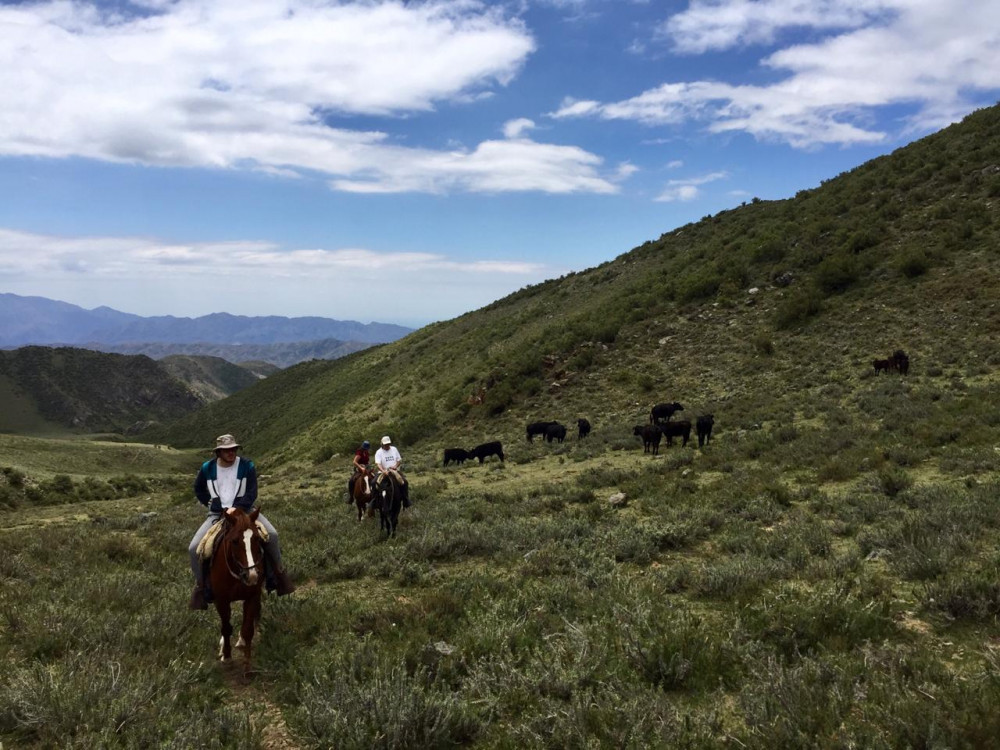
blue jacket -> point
(208, 495)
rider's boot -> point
(350, 489)
(285, 585)
(198, 599)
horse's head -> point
(243, 547)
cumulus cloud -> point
(721, 24)
(270, 86)
(24, 254)
(151, 277)
(493, 166)
(516, 128)
(937, 57)
(688, 189)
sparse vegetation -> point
(822, 574)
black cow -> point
(900, 362)
(583, 428)
(663, 412)
(538, 428)
(704, 427)
(555, 431)
(650, 434)
(487, 449)
(458, 455)
(676, 429)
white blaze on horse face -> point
(247, 536)
(368, 487)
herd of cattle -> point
(549, 430)
(898, 362)
(660, 425)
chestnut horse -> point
(237, 574)
(361, 492)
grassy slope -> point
(86, 391)
(900, 252)
(824, 574)
(210, 378)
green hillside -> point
(823, 574)
(898, 253)
(210, 378)
(45, 390)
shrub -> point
(837, 273)
(798, 307)
(762, 343)
(913, 264)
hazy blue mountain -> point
(38, 320)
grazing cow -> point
(583, 428)
(882, 365)
(538, 428)
(676, 429)
(650, 434)
(663, 412)
(487, 449)
(458, 455)
(704, 427)
(555, 431)
(900, 362)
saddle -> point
(208, 543)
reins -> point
(243, 570)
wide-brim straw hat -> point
(225, 441)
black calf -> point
(704, 427)
(487, 449)
(458, 455)
(555, 431)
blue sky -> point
(411, 161)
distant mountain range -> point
(38, 320)
(280, 355)
(28, 321)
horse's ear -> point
(253, 514)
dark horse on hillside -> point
(389, 501)
(361, 491)
(237, 574)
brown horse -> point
(361, 492)
(237, 574)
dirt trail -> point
(275, 734)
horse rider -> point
(224, 483)
(361, 461)
(388, 459)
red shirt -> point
(362, 456)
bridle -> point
(242, 572)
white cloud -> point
(515, 128)
(688, 189)
(493, 166)
(150, 277)
(24, 254)
(258, 84)
(939, 57)
(721, 24)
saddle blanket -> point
(206, 547)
